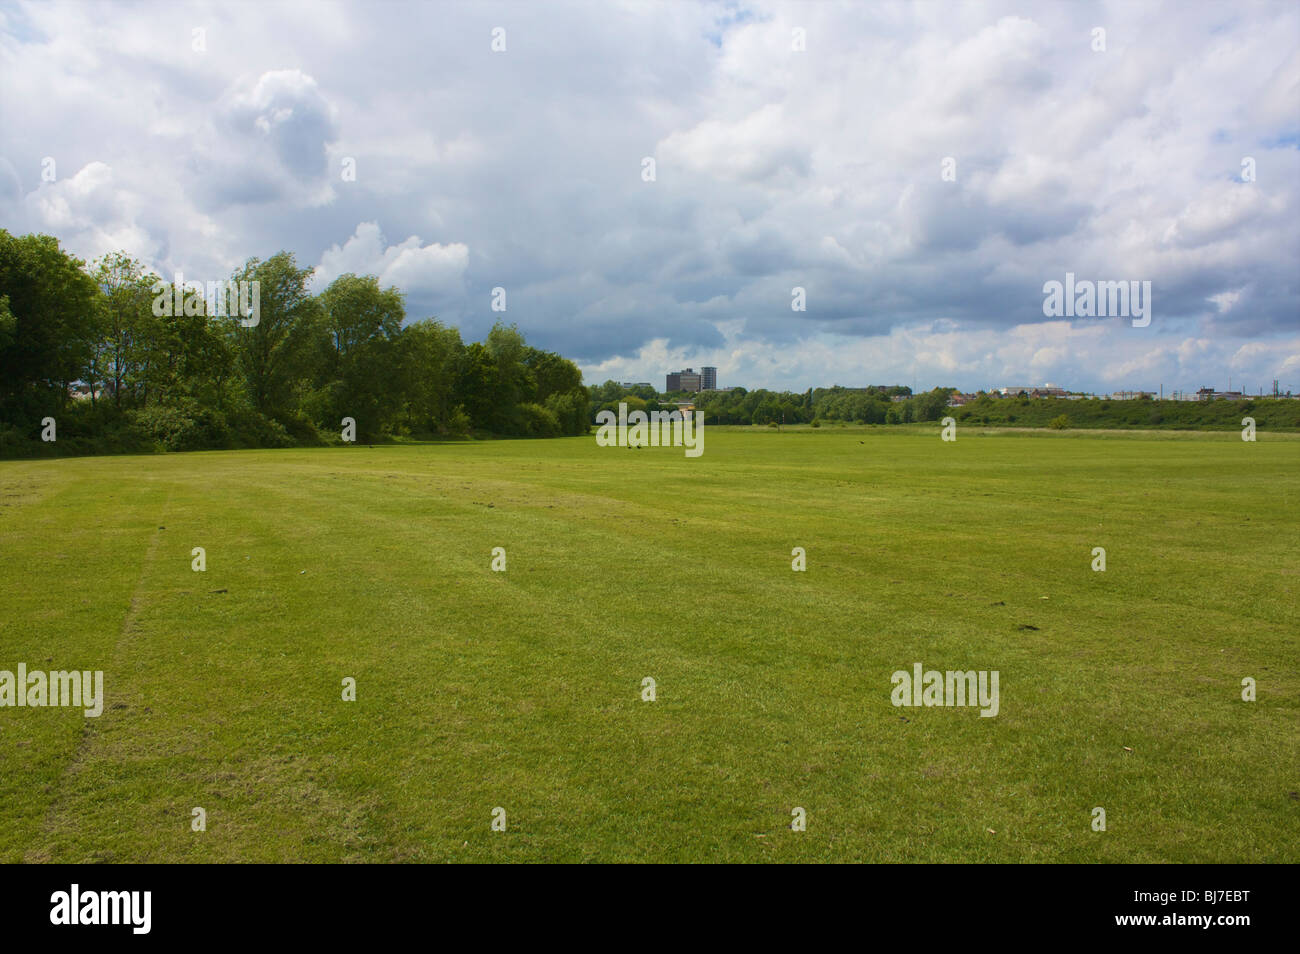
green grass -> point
(522, 689)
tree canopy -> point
(90, 346)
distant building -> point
(1209, 394)
(1034, 391)
(688, 380)
(709, 379)
(84, 392)
(635, 384)
(1130, 395)
(957, 399)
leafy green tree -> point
(478, 385)
(8, 324)
(551, 373)
(608, 395)
(362, 324)
(124, 325)
(515, 381)
(570, 409)
(193, 357)
(47, 330)
(276, 354)
(557, 386)
(429, 363)
(932, 405)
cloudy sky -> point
(1166, 149)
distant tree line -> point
(1024, 411)
(896, 404)
(872, 405)
(87, 347)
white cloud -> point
(776, 167)
(414, 268)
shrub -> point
(458, 422)
(181, 427)
(255, 430)
(1059, 423)
(302, 432)
(538, 421)
(571, 411)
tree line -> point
(1141, 413)
(871, 405)
(89, 347)
(896, 404)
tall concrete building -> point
(688, 380)
(709, 379)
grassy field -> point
(477, 689)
